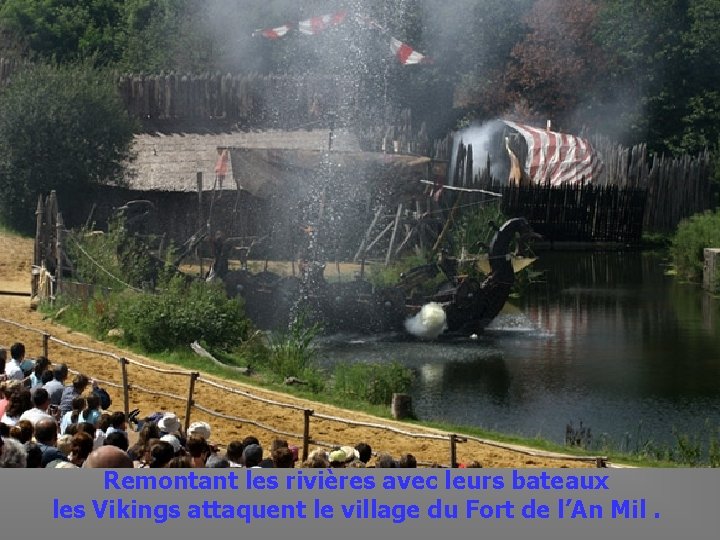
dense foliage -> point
(61, 128)
(692, 237)
(179, 313)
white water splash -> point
(429, 323)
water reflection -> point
(606, 338)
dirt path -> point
(14, 275)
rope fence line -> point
(155, 392)
(249, 395)
(246, 421)
(194, 376)
(380, 426)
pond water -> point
(606, 339)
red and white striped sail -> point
(315, 25)
(405, 54)
(275, 33)
(557, 158)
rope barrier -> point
(249, 395)
(246, 421)
(380, 426)
(156, 392)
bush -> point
(181, 313)
(692, 237)
(374, 383)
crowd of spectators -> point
(46, 421)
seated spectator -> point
(13, 371)
(385, 461)
(407, 461)
(247, 441)
(175, 443)
(73, 416)
(234, 453)
(199, 450)
(46, 377)
(34, 455)
(5, 391)
(169, 424)
(149, 431)
(252, 456)
(41, 400)
(283, 458)
(199, 429)
(79, 384)
(364, 452)
(12, 454)
(351, 453)
(46, 437)
(179, 462)
(3, 361)
(119, 439)
(64, 442)
(160, 455)
(20, 401)
(57, 385)
(317, 461)
(97, 434)
(22, 431)
(108, 457)
(217, 462)
(81, 447)
(92, 413)
(42, 365)
(118, 422)
(337, 459)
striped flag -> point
(274, 33)
(405, 54)
(556, 158)
(315, 25)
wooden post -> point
(394, 233)
(306, 433)
(188, 407)
(38, 254)
(401, 407)
(126, 386)
(46, 339)
(201, 220)
(59, 226)
(454, 439)
(453, 451)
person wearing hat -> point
(169, 424)
(199, 429)
(337, 459)
(351, 453)
(174, 442)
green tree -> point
(65, 30)
(61, 128)
(664, 52)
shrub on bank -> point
(178, 314)
(693, 235)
